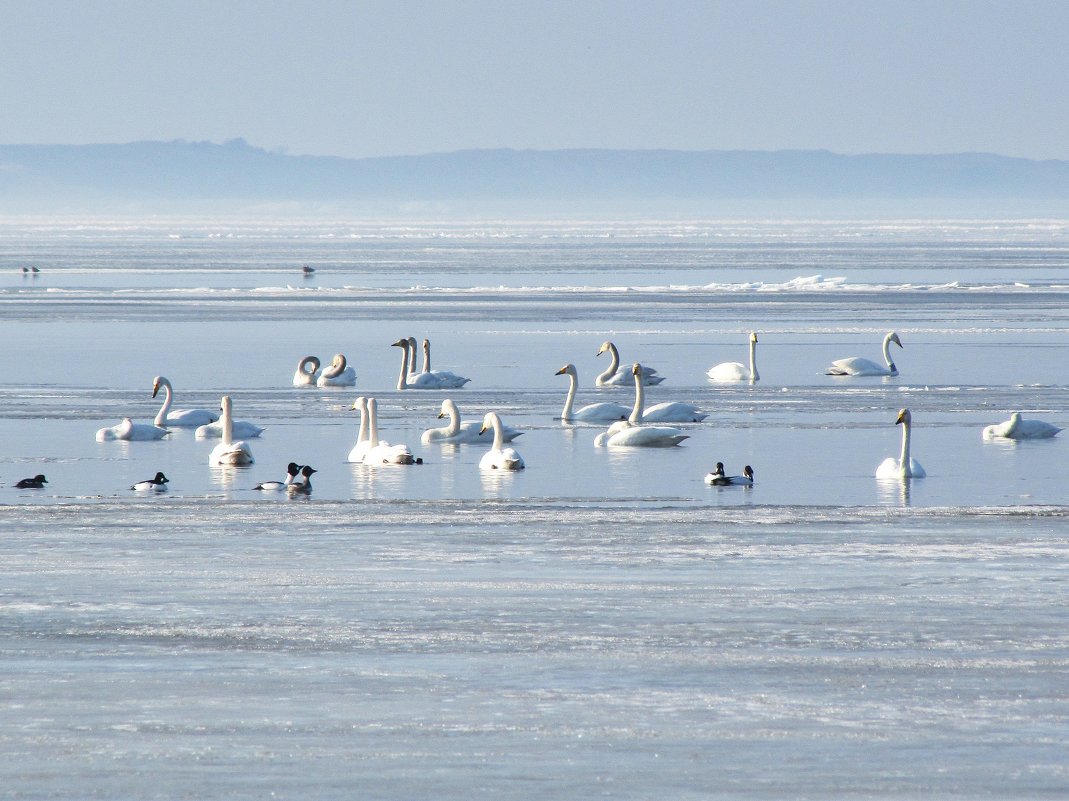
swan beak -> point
(901, 417)
(155, 389)
(441, 415)
(561, 371)
(401, 343)
(482, 430)
(637, 369)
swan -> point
(1019, 428)
(382, 452)
(856, 365)
(446, 380)
(129, 431)
(595, 412)
(302, 485)
(292, 469)
(156, 484)
(905, 466)
(498, 457)
(178, 417)
(614, 376)
(229, 451)
(37, 482)
(307, 372)
(363, 442)
(408, 380)
(669, 412)
(734, 371)
(457, 432)
(242, 429)
(625, 434)
(718, 479)
(337, 373)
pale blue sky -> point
(395, 77)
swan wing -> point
(673, 412)
(729, 371)
(646, 437)
(857, 365)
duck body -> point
(37, 482)
(718, 479)
(158, 483)
(1018, 427)
(292, 470)
(129, 431)
(178, 418)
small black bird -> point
(159, 484)
(37, 482)
(303, 483)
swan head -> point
(309, 360)
(360, 403)
(904, 417)
(401, 343)
(426, 345)
(893, 337)
(606, 346)
(449, 408)
(488, 421)
(225, 404)
(753, 337)
(636, 369)
(568, 369)
(337, 366)
(158, 383)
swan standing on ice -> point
(178, 417)
(408, 380)
(614, 376)
(445, 379)
(229, 451)
(337, 374)
(595, 412)
(856, 365)
(498, 457)
(381, 452)
(1019, 428)
(156, 484)
(905, 466)
(718, 479)
(292, 469)
(458, 433)
(735, 371)
(129, 431)
(37, 482)
(668, 412)
(307, 372)
(631, 434)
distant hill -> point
(189, 176)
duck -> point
(668, 412)
(407, 380)
(718, 479)
(156, 484)
(129, 431)
(1018, 427)
(307, 372)
(292, 469)
(458, 432)
(229, 451)
(337, 374)
(858, 366)
(905, 466)
(499, 457)
(37, 482)
(735, 371)
(614, 376)
(594, 412)
(178, 418)
(302, 485)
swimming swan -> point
(156, 484)
(457, 432)
(383, 452)
(734, 371)
(408, 380)
(856, 365)
(229, 451)
(129, 431)
(307, 372)
(178, 417)
(445, 379)
(595, 412)
(498, 457)
(614, 376)
(292, 469)
(337, 374)
(624, 434)
(1019, 428)
(905, 466)
(718, 479)
(363, 442)
(669, 412)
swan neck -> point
(614, 364)
(753, 361)
(161, 416)
(904, 462)
(887, 351)
(402, 380)
(226, 421)
(362, 436)
(454, 420)
(499, 434)
(373, 422)
(640, 400)
(569, 401)
(426, 357)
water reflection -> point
(894, 491)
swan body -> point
(229, 451)
(37, 482)
(445, 379)
(129, 431)
(156, 484)
(1019, 428)
(302, 484)
(718, 479)
(408, 380)
(625, 434)
(856, 365)
(905, 466)
(614, 376)
(178, 417)
(458, 432)
(292, 469)
(669, 412)
(240, 428)
(734, 371)
(383, 452)
(595, 412)
(307, 372)
(337, 374)
(499, 457)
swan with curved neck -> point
(458, 432)
(905, 466)
(856, 365)
(407, 380)
(307, 372)
(1018, 427)
(632, 432)
(614, 376)
(669, 412)
(178, 417)
(735, 371)
(229, 451)
(498, 457)
(381, 452)
(129, 431)
(595, 412)
(337, 374)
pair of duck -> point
(298, 480)
(157, 483)
(717, 478)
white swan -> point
(614, 376)
(1019, 428)
(229, 451)
(363, 441)
(408, 380)
(307, 372)
(157, 483)
(383, 452)
(718, 479)
(242, 429)
(178, 417)
(445, 379)
(668, 412)
(292, 469)
(856, 365)
(905, 466)
(624, 434)
(337, 374)
(499, 457)
(129, 431)
(595, 412)
(457, 432)
(735, 371)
